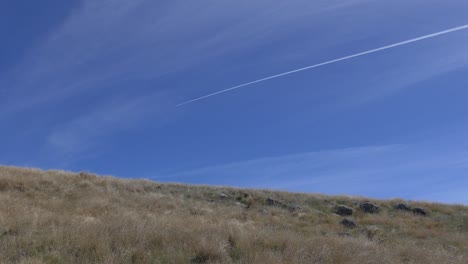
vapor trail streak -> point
(331, 61)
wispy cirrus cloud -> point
(322, 64)
(78, 134)
(102, 43)
(141, 48)
(387, 171)
(113, 47)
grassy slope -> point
(60, 217)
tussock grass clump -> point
(61, 217)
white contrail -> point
(331, 61)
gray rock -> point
(419, 211)
(223, 196)
(343, 210)
(348, 223)
(403, 207)
(291, 207)
(272, 202)
(345, 234)
(241, 205)
(369, 207)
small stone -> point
(403, 207)
(293, 207)
(348, 223)
(369, 207)
(343, 210)
(271, 201)
(344, 234)
(420, 211)
(87, 175)
(241, 205)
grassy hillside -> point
(60, 217)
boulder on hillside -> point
(241, 205)
(419, 211)
(403, 207)
(223, 196)
(272, 202)
(369, 207)
(348, 223)
(343, 210)
(291, 207)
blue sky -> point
(93, 85)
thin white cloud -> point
(405, 75)
(104, 42)
(391, 46)
(296, 165)
(387, 171)
(83, 132)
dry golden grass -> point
(61, 217)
